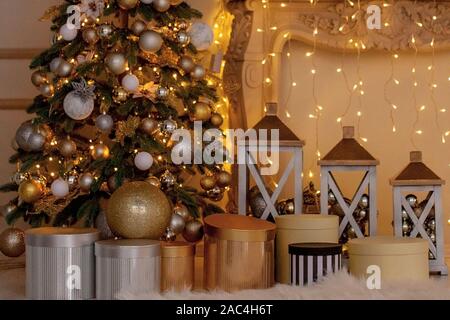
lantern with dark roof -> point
(414, 218)
(270, 134)
(349, 156)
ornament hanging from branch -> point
(79, 103)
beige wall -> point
(391, 149)
(20, 28)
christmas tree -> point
(118, 80)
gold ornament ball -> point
(150, 41)
(67, 148)
(100, 151)
(216, 120)
(90, 35)
(223, 179)
(47, 90)
(148, 125)
(120, 95)
(193, 231)
(12, 242)
(138, 210)
(208, 182)
(30, 191)
(38, 78)
(154, 181)
(202, 112)
(161, 5)
(138, 27)
(127, 4)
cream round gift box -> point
(239, 252)
(60, 263)
(127, 266)
(300, 229)
(398, 259)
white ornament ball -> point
(130, 83)
(68, 32)
(202, 36)
(60, 188)
(143, 161)
(78, 107)
(116, 62)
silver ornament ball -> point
(169, 126)
(104, 123)
(90, 35)
(149, 125)
(193, 231)
(23, 133)
(364, 202)
(36, 141)
(167, 179)
(412, 200)
(104, 30)
(47, 90)
(183, 38)
(116, 63)
(177, 224)
(150, 41)
(67, 148)
(162, 92)
(183, 211)
(54, 64)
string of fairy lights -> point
(356, 47)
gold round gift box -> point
(239, 253)
(177, 266)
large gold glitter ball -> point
(30, 191)
(138, 210)
(12, 242)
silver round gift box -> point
(60, 263)
(127, 267)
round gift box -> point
(177, 266)
(397, 259)
(239, 252)
(310, 262)
(60, 263)
(127, 266)
(303, 228)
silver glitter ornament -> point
(169, 126)
(198, 73)
(168, 236)
(23, 133)
(331, 198)
(183, 211)
(162, 92)
(215, 194)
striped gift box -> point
(310, 262)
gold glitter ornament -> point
(12, 242)
(139, 210)
(100, 151)
(202, 112)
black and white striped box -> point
(310, 262)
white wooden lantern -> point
(287, 142)
(349, 156)
(417, 177)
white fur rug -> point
(341, 286)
